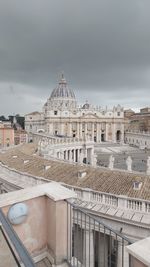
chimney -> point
(137, 185)
(47, 167)
(25, 161)
(81, 174)
(14, 157)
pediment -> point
(90, 116)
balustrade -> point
(121, 202)
(134, 205)
(147, 207)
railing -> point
(56, 140)
(147, 207)
(137, 132)
(116, 201)
(134, 205)
(15, 254)
(91, 243)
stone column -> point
(58, 154)
(122, 133)
(80, 157)
(94, 160)
(78, 130)
(51, 129)
(61, 128)
(68, 155)
(148, 166)
(103, 250)
(97, 133)
(69, 132)
(100, 132)
(65, 155)
(74, 155)
(85, 131)
(62, 154)
(92, 131)
(106, 132)
(114, 133)
(90, 156)
(88, 248)
(77, 155)
(123, 256)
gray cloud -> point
(103, 47)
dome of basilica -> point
(62, 90)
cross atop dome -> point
(62, 80)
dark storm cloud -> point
(103, 46)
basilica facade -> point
(61, 116)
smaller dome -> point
(62, 90)
(86, 105)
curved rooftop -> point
(63, 90)
(104, 180)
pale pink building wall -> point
(137, 263)
(57, 232)
(45, 228)
(33, 232)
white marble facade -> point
(62, 117)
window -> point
(118, 113)
(55, 112)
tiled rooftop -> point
(100, 179)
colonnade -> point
(138, 139)
(67, 149)
(72, 155)
(80, 155)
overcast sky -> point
(103, 47)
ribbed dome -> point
(62, 90)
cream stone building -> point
(61, 116)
